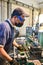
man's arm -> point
(7, 57)
(4, 54)
(15, 44)
(19, 47)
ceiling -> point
(35, 3)
(39, 1)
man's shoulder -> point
(5, 25)
(2, 26)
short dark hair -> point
(17, 12)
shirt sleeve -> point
(2, 35)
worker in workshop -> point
(7, 35)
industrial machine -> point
(31, 49)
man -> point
(7, 35)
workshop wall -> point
(36, 16)
(3, 10)
(41, 10)
(0, 11)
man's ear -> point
(15, 17)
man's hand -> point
(20, 47)
(14, 62)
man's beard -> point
(18, 24)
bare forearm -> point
(19, 47)
(5, 55)
(15, 44)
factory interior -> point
(29, 36)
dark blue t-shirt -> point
(6, 35)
